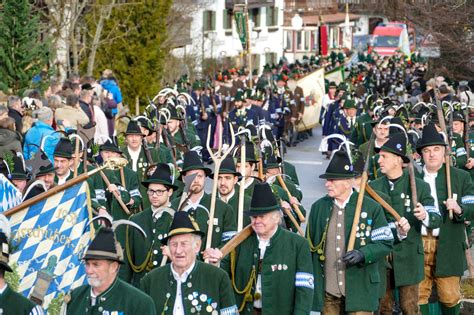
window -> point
(272, 16)
(227, 20)
(288, 44)
(270, 58)
(314, 40)
(254, 16)
(307, 40)
(209, 21)
(299, 40)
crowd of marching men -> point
(394, 222)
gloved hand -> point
(353, 257)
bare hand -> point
(112, 188)
(293, 119)
(204, 116)
(420, 212)
(213, 255)
(165, 251)
(285, 205)
(452, 204)
(403, 226)
(470, 163)
(294, 201)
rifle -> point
(447, 156)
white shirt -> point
(101, 126)
(228, 197)
(343, 205)
(178, 302)
(262, 245)
(62, 180)
(430, 178)
(194, 205)
(3, 289)
(134, 155)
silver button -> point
(155, 263)
(339, 225)
(339, 212)
(338, 249)
(155, 251)
(338, 237)
(340, 282)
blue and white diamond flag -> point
(48, 242)
(10, 196)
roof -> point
(328, 18)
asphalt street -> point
(309, 163)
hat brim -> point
(424, 145)
(102, 257)
(5, 266)
(111, 149)
(405, 158)
(181, 231)
(227, 172)
(259, 211)
(19, 176)
(47, 171)
(207, 170)
(337, 176)
(147, 183)
(63, 155)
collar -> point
(267, 241)
(429, 174)
(247, 184)
(157, 212)
(198, 202)
(2, 290)
(228, 197)
(185, 274)
(67, 175)
(106, 291)
(344, 204)
(133, 152)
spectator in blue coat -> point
(41, 135)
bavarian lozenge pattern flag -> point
(48, 242)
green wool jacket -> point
(207, 290)
(249, 189)
(408, 255)
(286, 271)
(362, 130)
(234, 203)
(450, 256)
(13, 303)
(142, 253)
(459, 155)
(290, 170)
(362, 280)
(225, 220)
(161, 156)
(121, 298)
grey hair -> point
(3, 109)
(12, 99)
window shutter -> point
(213, 20)
(269, 16)
(275, 16)
(225, 20)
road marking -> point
(305, 162)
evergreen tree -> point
(136, 54)
(23, 55)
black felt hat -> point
(19, 171)
(182, 224)
(430, 136)
(339, 167)
(133, 128)
(396, 144)
(228, 167)
(47, 168)
(192, 161)
(160, 174)
(458, 116)
(174, 113)
(396, 121)
(263, 200)
(271, 161)
(104, 246)
(110, 145)
(63, 148)
(249, 153)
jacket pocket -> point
(375, 277)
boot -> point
(453, 310)
(425, 309)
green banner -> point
(241, 25)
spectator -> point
(41, 134)
(16, 111)
(3, 112)
(85, 101)
(10, 139)
(71, 115)
(101, 124)
(109, 83)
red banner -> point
(323, 40)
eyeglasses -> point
(158, 192)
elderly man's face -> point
(265, 224)
(433, 156)
(101, 273)
(109, 154)
(389, 162)
(183, 249)
(337, 188)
